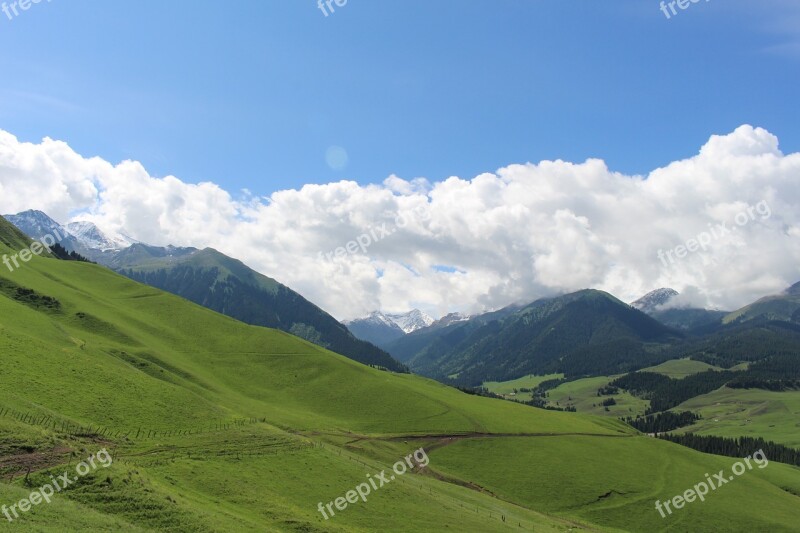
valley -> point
(418, 267)
(236, 413)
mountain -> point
(12, 238)
(215, 425)
(382, 328)
(681, 318)
(84, 238)
(651, 301)
(784, 306)
(794, 290)
(226, 285)
(585, 333)
(141, 255)
(36, 225)
(442, 335)
(90, 237)
(376, 328)
(746, 342)
(411, 321)
(690, 318)
(452, 318)
(212, 280)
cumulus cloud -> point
(462, 244)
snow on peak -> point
(411, 321)
(407, 322)
(653, 300)
(452, 318)
(35, 224)
(90, 236)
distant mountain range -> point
(650, 302)
(585, 333)
(211, 279)
(783, 307)
(657, 304)
(549, 335)
(83, 237)
(381, 328)
(588, 333)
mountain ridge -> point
(545, 336)
(381, 328)
(223, 284)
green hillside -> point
(688, 319)
(584, 333)
(730, 412)
(680, 368)
(215, 425)
(784, 306)
(228, 286)
(11, 237)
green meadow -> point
(215, 425)
(728, 412)
(680, 368)
(582, 394)
(506, 388)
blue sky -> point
(252, 94)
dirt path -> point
(13, 466)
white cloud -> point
(523, 232)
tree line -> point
(662, 422)
(665, 393)
(736, 447)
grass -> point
(582, 393)
(144, 368)
(506, 388)
(680, 368)
(583, 477)
(728, 412)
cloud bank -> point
(522, 232)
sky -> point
(533, 147)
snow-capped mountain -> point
(37, 225)
(451, 319)
(376, 328)
(90, 236)
(82, 237)
(378, 318)
(381, 328)
(411, 321)
(650, 302)
(680, 317)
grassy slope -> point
(590, 478)
(228, 286)
(680, 368)
(748, 413)
(779, 307)
(210, 258)
(582, 393)
(139, 358)
(506, 388)
(209, 367)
